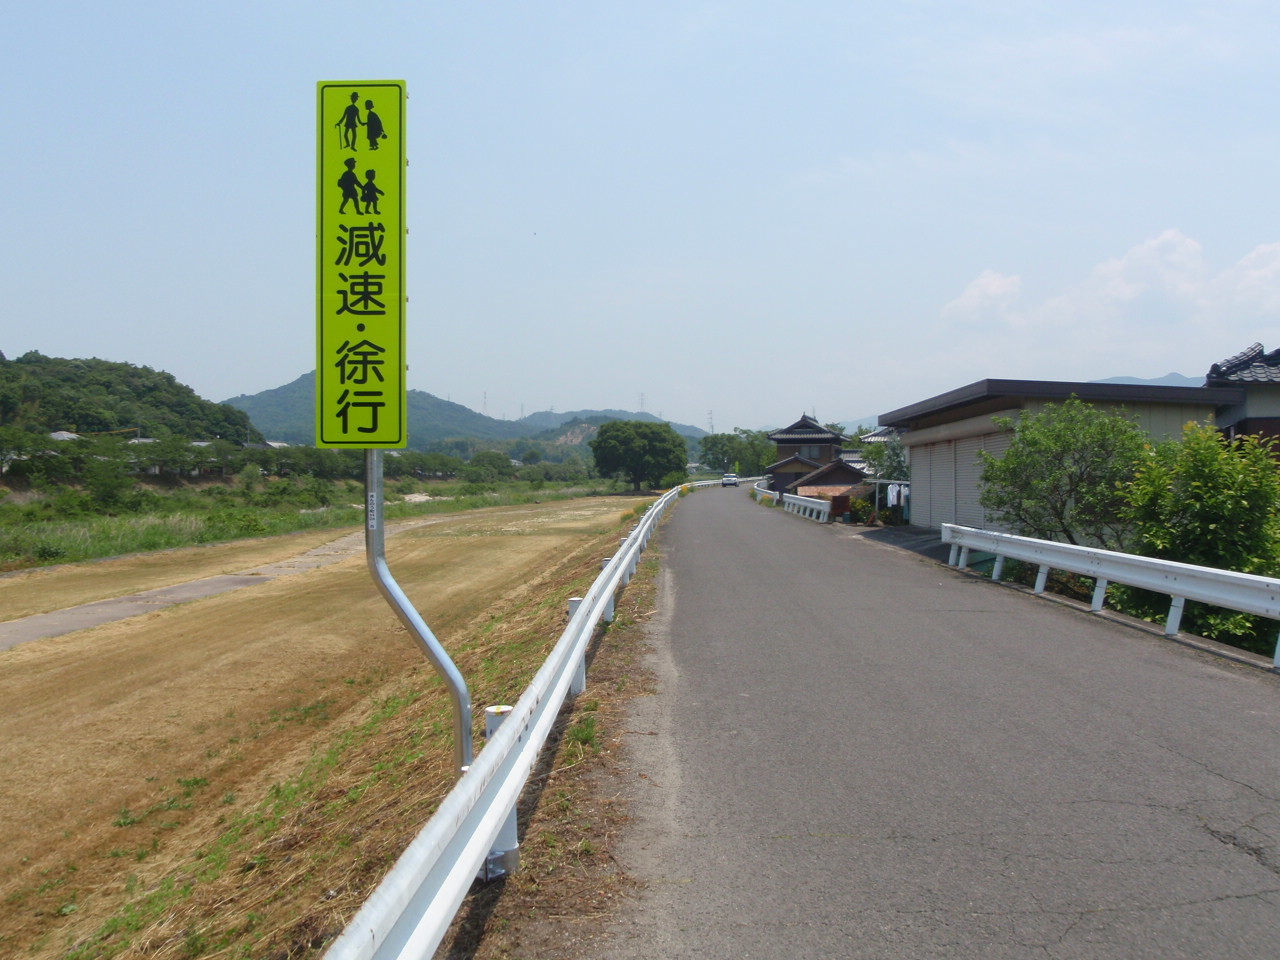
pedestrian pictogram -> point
(360, 295)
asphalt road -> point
(858, 753)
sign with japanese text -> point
(360, 298)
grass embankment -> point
(67, 525)
(257, 826)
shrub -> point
(860, 511)
(1214, 502)
(1060, 477)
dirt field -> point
(229, 777)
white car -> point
(729, 480)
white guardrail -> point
(1180, 581)
(808, 507)
(761, 488)
(410, 911)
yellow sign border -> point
(362, 397)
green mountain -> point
(288, 413)
(1168, 380)
(91, 396)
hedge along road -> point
(857, 752)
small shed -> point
(834, 479)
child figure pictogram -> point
(369, 193)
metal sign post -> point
(375, 551)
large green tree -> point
(746, 452)
(1060, 478)
(645, 453)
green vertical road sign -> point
(360, 295)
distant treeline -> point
(37, 458)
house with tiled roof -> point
(803, 447)
(1255, 375)
(833, 479)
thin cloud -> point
(1159, 306)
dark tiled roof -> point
(839, 467)
(1249, 366)
(807, 430)
(804, 461)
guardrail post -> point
(628, 569)
(579, 681)
(953, 555)
(998, 570)
(1099, 595)
(1042, 578)
(608, 609)
(504, 858)
(964, 558)
(1174, 620)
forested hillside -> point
(288, 413)
(91, 396)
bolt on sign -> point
(360, 324)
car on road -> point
(729, 480)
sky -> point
(725, 214)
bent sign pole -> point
(361, 396)
(376, 556)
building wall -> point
(818, 452)
(946, 467)
(1160, 421)
(944, 480)
(1262, 400)
(1259, 414)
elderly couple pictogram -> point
(350, 120)
(353, 191)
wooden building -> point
(803, 447)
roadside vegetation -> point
(1078, 474)
(86, 499)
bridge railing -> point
(411, 909)
(1245, 592)
(808, 507)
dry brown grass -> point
(231, 777)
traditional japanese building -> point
(803, 447)
(1257, 410)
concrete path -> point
(858, 753)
